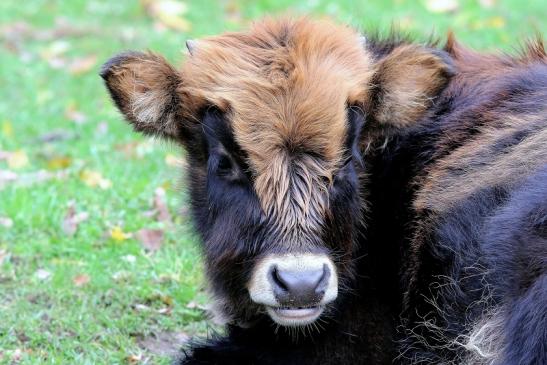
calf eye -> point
(225, 165)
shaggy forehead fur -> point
(284, 85)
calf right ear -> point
(407, 81)
(144, 88)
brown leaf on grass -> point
(72, 113)
(136, 149)
(175, 161)
(160, 205)
(54, 54)
(58, 162)
(17, 355)
(163, 343)
(134, 359)
(168, 13)
(57, 135)
(232, 9)
(81, 280)
(95, 179)
(72, 219)
(150, 239)
(82, 65)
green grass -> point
(131, 294)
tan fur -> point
(284, 86)
(456, 176)
(146, 87)
(408, 79)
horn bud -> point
(191, 45)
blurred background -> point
(98, 260)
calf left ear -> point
(406, 82)
(144, 88)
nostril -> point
(323, 283)
(277, 280)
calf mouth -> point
(295, 316)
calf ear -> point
(406, 82)
(144, 88)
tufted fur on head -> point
(284, 85)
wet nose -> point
(299, 288)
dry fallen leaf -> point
(134, 359)
(72, 113)
(117, 234)
(82, 65)
(141, 308)
(150, 239)
(95, 179)
(167, 300)
(442, 6)
(16, 355)
(58, 163)
(168, 13)
(53, 54)
(17, 160)
(81, 280)
(160, 205)
(72, 219)
(232, 9)
(136, 149)
(56, 136)
(42, 274)
(165, 310)
(175, 161)
(496, 22)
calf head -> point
(272, 120)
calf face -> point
(271, 120)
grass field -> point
(98, 261)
